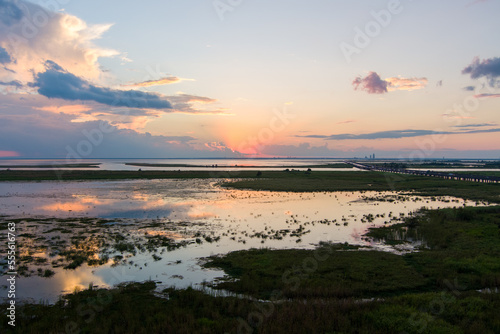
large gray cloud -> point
(55, 82)
(36, 133)
(10, 12)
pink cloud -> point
(372, 84)
(486, 95)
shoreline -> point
(283, 181)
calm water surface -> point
(209, 219)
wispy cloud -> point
(347, 121)
(479, 96)
(470, 88)
(193, 104)
(158, 82)
(398, 83)
(72, 109)
(476, 2)
(14, 83)
(475, 125)
(187, 98)
(374, 84)
(395, 134)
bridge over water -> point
(442, 175)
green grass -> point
(374, 181)
(326, 272)
(317, 291)
(462, 244)
(90, 165)
(339, 165)
(133, 308)
(293, 181)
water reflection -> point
(158, 229)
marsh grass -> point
(134, 308)
(430, 291)
(462, 244)
(292, 181)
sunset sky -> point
(241, 78)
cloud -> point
(489, 68)
(4, 56)
(218, 146)
(14, 83)
(478, 96)
(475, 125)
(347, 121)
(159, 82)
(395, 134)
(439, 83)
(128, 118)
(398, 83)
(187, 98)
(476, 2)
(372, 84)
(31, 34)
(194, 104)
(10, 11)
(470, 88)
(56, 56)
(72, 109)
(37, 133)
(55, 82)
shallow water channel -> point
(161, 229)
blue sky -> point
(221, 78)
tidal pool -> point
(74, 234)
